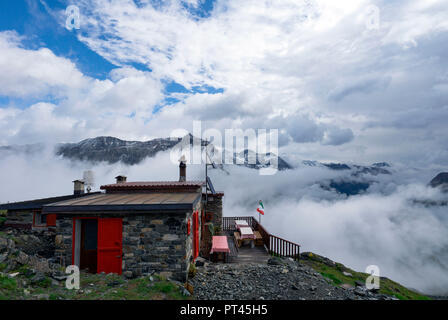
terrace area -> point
(256, 250)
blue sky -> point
(32, 20)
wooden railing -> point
(228, 223)
(275, 245)
(284, 248)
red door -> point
(110, 236)
(195, 235)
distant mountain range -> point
(113, 150)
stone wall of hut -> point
(213, 222)
(19, 219)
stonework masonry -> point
(19, 219)
(214, 212)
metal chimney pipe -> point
(182, 171)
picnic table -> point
(220, 245)
(245, 234)
(241, 223)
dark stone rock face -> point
(441, 180)
(349, 188)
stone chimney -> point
(121, 179)
(78, 187)
(182, 169)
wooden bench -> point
(258, 239)
(220, 248)
(237, 237)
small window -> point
(39, 219)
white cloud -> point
(74, 106)
(35, 73)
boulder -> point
(275, 261)
(3, 244)
(39, 277)
(360, 292)
(22, 258)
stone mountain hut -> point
(134, 228)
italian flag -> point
(260, 208)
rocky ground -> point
(280, 279)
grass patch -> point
(44, 283)
(5, 235)
(337, 277)
(332, 277)
(164, 287)
(54, 296)
(92, 287)
(8, 283)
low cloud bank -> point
(383, 227)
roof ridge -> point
(160, 184)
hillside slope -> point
(313, 278)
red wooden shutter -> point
(51, 220)
(188, 226)
(196, 235)
(110, 237)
